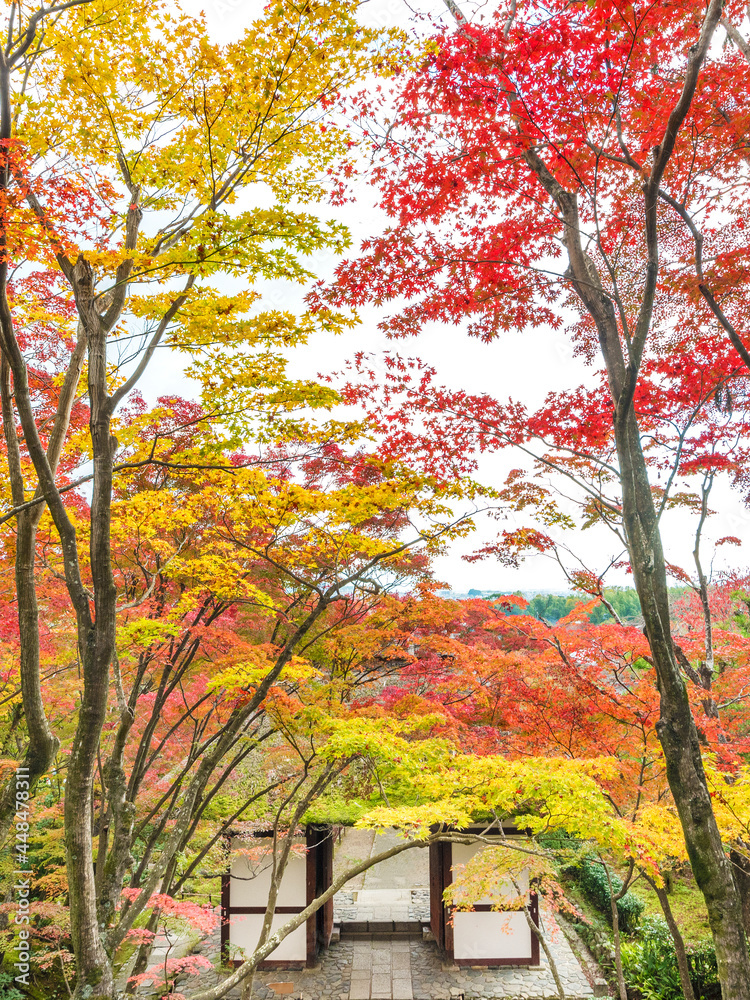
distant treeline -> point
(552, 607)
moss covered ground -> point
(687, 905)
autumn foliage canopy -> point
(219, 607)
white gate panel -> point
(251, 878)
(491, 935)
(244, 931)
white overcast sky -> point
(525, 367)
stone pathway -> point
(381, 970)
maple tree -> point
(589, 158)
(506, 682)
(231, 578)
(127, 215)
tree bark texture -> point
(741, 868)
(676, 727)
(96, 643)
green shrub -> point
(558, 840)
(592, 878)
(8, 988)
(704, 973)
(650, 965)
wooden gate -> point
(483, 935)
(244, 896)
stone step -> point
(380, 928)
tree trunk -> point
(247, 987)
(613, 900)
(676, 727)
(144, 952)
(679, 945)
(538, 930)
(94, 978)
(42, 744)
(741, 867)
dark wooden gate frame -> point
(319, 876)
